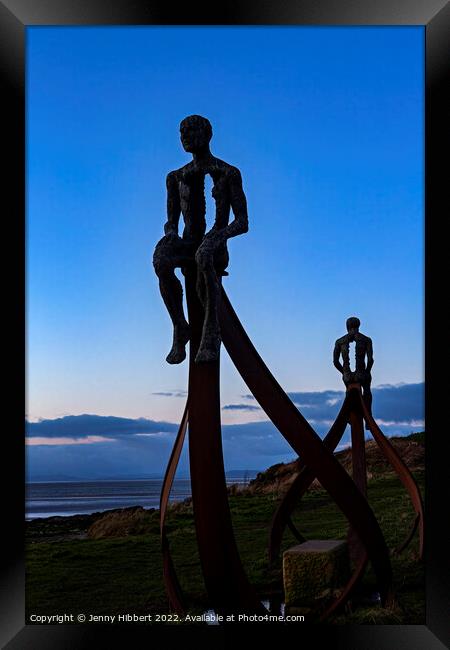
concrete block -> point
(314, 570)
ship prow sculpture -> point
(202, 257)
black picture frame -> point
(434, 15)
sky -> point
(326, 126)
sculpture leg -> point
(165, 262)
(367, 398)
(208, 288)
(358, 464)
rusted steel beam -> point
(225, 599)
(359, 469)
(294, 531)
(401, 547)
(174, 592)
(302, 482)
(226, 583)
(349, 588)
(307, 444)
(296, 491)
(404, 475)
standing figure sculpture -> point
(363, 349)
(186, 196)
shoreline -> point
(66, 499)
(66, 528)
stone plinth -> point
(314, 570)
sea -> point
(66, 498)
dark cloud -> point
(401, 403)
(398, 409)
(76, 426)
(127, 456)
(241, 407)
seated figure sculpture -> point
(186, 195)
(363, 349)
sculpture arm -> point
(336, 354)
(369, 353)
(173, 205)
(238, 204)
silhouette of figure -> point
(186, 195)
(363, 349)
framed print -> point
(320, 130)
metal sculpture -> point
(355, 410)
(186, 195)
(203, 258)
(363, 349)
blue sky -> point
(326, 126)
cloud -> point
(416, 424)
(87, 440)
(157, 434)
(76, 426)
(174, 393)
(241, 407)
(401, 403)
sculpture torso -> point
(190, 184)
(361, 348)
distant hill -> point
(277, 478)
(53, 478)
(241, 472)
(63, 478)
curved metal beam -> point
(174, 592)
(294, 531)
(302, 482)
(348, 589)
(401, 547)
(404, 475)
(304, 440)
(226, 583)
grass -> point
(124, 575)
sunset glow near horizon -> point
(326, 126)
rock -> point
(119, 523)
(314, 570)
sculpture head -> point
(353, 324)
(195, 133)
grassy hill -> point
(277, 478)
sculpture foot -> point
(181, 336)
(206, 354)
(209, 349)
